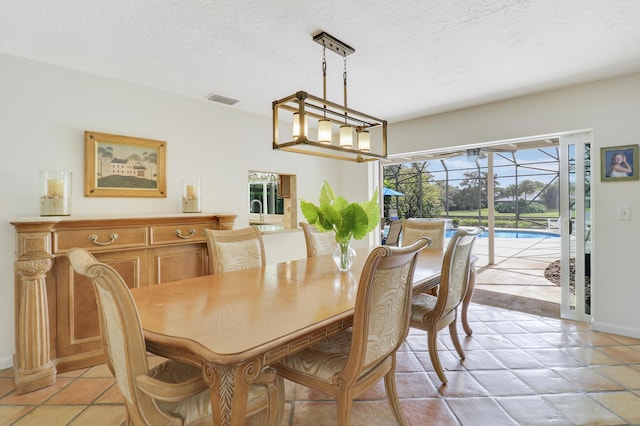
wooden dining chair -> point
(433, 313)
(348, 363)
(412, 229)
(318, 243)
(393, 237)
(173, 392)
(236, 249)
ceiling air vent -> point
(222, 99)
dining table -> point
(235, 324)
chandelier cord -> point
(344, 78)
(324, 77)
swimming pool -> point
(511, 233)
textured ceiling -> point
(413, 57)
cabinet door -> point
(177, 263)
(78, 341)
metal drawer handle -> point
(192, 232)
(94, 239)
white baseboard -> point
(615, 329)
(6, 362)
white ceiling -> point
(413, 57)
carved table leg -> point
(467, 298)
(33, 368)
(229, 391)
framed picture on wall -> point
(619, 163)
(123, 166)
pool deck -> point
(516, 281)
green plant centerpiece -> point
(346, 220)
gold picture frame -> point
(124, 166)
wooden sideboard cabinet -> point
(57, 326)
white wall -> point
(44, 111)
(611, 108)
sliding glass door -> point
(575, 216)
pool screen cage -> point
(525, 186)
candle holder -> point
(55, 193)
(191, 196)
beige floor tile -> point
(81, 391)
(477, 411)
(415, 385)
(583, 410)
(554, 357)
(98, 371)
(622, 353)
(502, 383)
(461, 384)
(515, 358)
(419, 412)
(596, 338)
(50, 415)
(625, 404)
(73, 373)
(7, 386)
(527, 341)
(11, 413)
(36, 397)
(101, 415)
(546, 381)
(324, 413)
(481, 360)
(587, 379)
(531, 410)
(111, 396)
(591, 356)
(626, 376)
(406, 362)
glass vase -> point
(344, 256)
(55, 193)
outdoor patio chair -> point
(393, 237)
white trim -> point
(615, 329)
(6, 362)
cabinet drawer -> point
(178, 234)
(112, 239)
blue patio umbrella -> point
(389, 191)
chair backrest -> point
(393, 237)
(412, 229)
(122, 336)
(454, 278)
(318, 243)
(235, 249)
(382, 308)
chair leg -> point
(344, 401)
(276, 402)
(392, 396)
(453, 331)
(432, 336)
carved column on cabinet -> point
(32, 364)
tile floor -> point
(520, 368)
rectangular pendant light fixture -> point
(337, 131)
